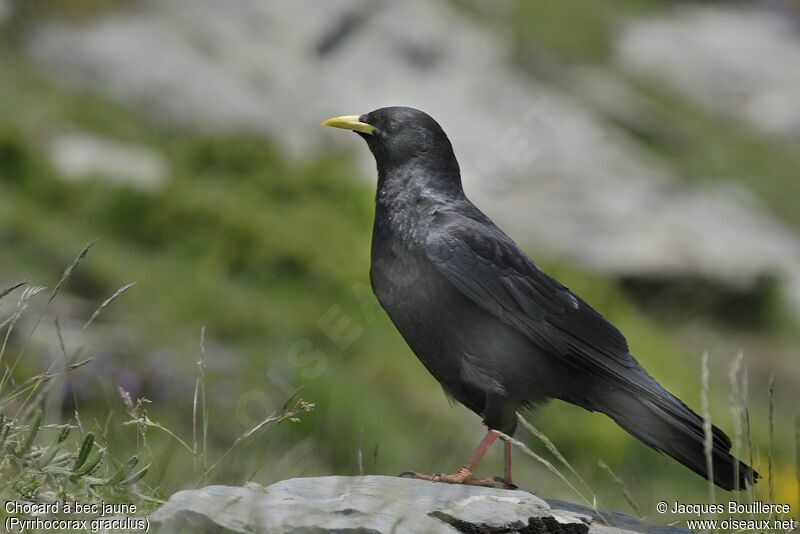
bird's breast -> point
(400, 268)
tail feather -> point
(660, 420)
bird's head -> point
(399, 136)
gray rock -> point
(5, 11)
(377, 504)
(79, 155)
(547, 167)
(741, 62)
(610, 521)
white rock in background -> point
(5, 10)
(77, 156)
(736, 61)
(546, 167)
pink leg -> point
(483, 447)
(464, 474)
(507, 462)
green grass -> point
(61, 460)
(79, 460)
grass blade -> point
(70, 269)
(797, 457)
(622, 486)
(6, 291)
(28, 443)
(137, 476)
(708, 443)
(550, 447)
(89, 466)
(118, 293)
(83, 453)
(548, 465)
(771, 450)
(200, 397)
(737, 409)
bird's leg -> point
(468, 469)
(506, 480)
(464, 474)
(507, 463)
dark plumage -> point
(497, 332)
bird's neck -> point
(407, 185)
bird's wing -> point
(488, 267)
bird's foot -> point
(507, 484)
(462, 476)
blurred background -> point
(646, 153)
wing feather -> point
(488, 267)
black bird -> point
(497, 332)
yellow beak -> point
(350, 122)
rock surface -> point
(5, 10)
(744, 61)
(79, 155)
(548, 168)
(378, 505)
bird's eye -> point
(392, 126)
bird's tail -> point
(660, 420)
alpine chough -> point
(495, 331)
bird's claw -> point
(506, 484)
(457, 478)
